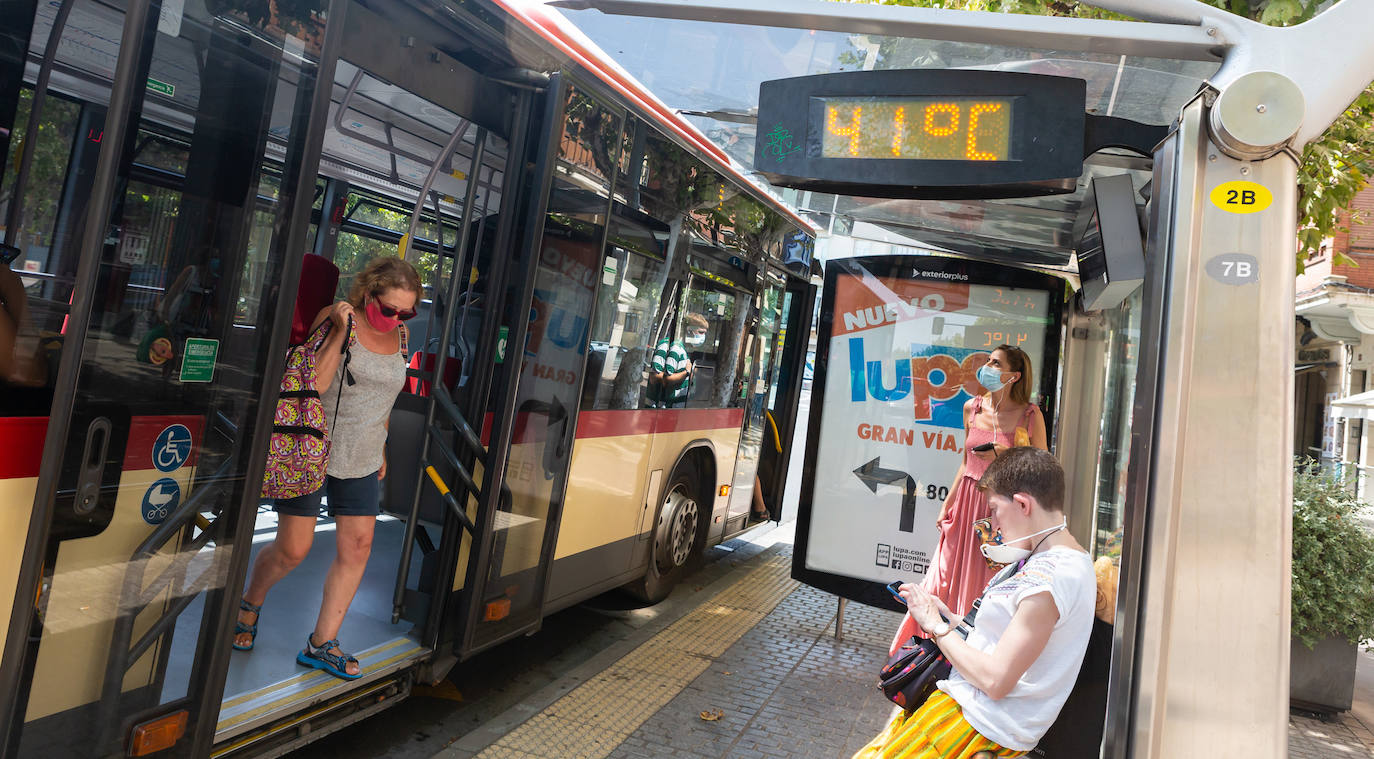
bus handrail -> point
(469, 435)
(460, 264)
(436, 438)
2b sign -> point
(1241, 197)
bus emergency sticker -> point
(161, 499)
(1241, 196)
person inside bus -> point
(670, 371)
(1004, 417)
(1013, 673)
(358, 407)
(24, 365)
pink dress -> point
(959, 573)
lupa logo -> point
(931, 377)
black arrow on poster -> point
(873, 475)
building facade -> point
(1334, 330)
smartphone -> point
(984, 447)
(8, 253)
(892, 588)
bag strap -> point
(966, 626)
(405, 343)
(345, 377)
(318, 335)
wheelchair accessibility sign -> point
(162, 498)
(172, 448)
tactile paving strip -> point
(594, 718)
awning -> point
(1305, 368)
(1359, 406)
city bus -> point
(173, 177)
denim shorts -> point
(354, 497)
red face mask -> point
(377, 320)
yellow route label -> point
(1241, 196)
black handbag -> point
(910, 674)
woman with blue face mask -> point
(1004, 417)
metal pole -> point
(439, 161)
(440, 358)
(839, 618)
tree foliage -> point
(1334, 167)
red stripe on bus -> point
(616, 423)
(21, 437)
(593, 424)
(533, 427)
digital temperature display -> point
(923, 133)
(951, 129)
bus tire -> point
(678, 536)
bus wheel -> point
(677, 538)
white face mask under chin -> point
(1008, 554)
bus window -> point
(631, 285)
(34, 301)
(727, 314)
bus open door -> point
(151, 325)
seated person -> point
(670, 370)
(1013, 673)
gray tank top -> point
(357, 433)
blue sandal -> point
(252, 630)
(318, 657)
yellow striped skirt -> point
(937, 730)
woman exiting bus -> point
(357, 400)
(1006, 418)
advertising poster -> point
(902, 351)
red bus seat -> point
(319, 281)
(452, 371)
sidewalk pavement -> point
(1347, 734)
(750, 668)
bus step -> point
(296, 730)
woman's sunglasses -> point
(392, 313)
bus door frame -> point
(443, 627)
(139, 33)
(20, 653)
(799, 326)
(462, 612)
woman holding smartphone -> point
(993, 423)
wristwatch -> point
(939, 631)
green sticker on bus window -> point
(164, 88)
(198, 359)
(501, 340)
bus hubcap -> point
(677, 529)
